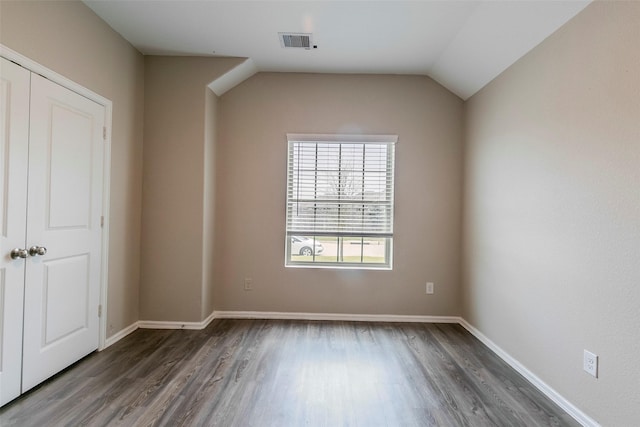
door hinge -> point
(104, 133)
(101, 221)
(100, 310)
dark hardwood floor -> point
(290, 373)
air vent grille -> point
(295, 40)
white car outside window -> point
(301, 245)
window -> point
(340, 201)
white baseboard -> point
(120, 334)
(152, 324)
(334, 316)
(568, 407)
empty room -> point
(320, 213)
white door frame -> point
(37, 68)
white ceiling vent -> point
(295, 40)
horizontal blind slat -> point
(340, 188)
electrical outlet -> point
(248, 284)
(429, 287)
(590, 363)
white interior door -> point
(14, 149)
(62, 286)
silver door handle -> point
(19, 253)
(37, 250)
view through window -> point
(340, 200)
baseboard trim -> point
(279, 315)
(152, 324)
(567, 406)
(119, 335)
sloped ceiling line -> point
(461, 44)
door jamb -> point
(49, 74)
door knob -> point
(19, 253)
(37, 250)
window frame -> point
(390, 140)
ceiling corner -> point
(233, 77)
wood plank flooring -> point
(290, 373)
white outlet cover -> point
(590, 363)
(429, 287)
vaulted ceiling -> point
(461, 44)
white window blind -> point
(340, 186)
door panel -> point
(69, 188)
(64, 208)
(64, 277)
(14, 146)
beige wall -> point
(70, 39)
(209, 203)
(552, 210)
(175, 286)
(253, 120)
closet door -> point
(64, 233)
(14, 139)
